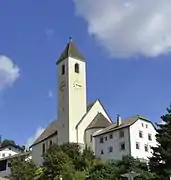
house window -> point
(43, 148)
(137, 145)
(77, 70)
(50, 143)
(3, 155)
(149, 137)
(146, 125)
(122, 146)
(101, 140)
(146, 148)
(102, 152)
(110, 149)
(63, 69)
(9, 154)
(142, 125)
(121, 133)
(105, 138)
(111, 136)
(140, 134)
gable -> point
(94, 119)
(145, 124)
(100, 121)
(92, 107)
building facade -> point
(133, 136)
(9, 150)
(7, 153)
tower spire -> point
(70, 51)
(70, 39)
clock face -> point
(77, 85)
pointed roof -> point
(89, 108)
(100, 121)
(71, 50)
(52, 129)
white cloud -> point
(129, 27)
(9, 72)
(50, 94)
(31, 140)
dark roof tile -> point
(49, 131)
(100, 121)
(125, 123)
(71, 51)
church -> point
(89, 124)
(77, 121)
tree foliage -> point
(103, 171)
(160, 163)
(56, 162)
(7, 142)
(22, 170)
(71, 163)
(114, 170)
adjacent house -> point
(10, 150)
(132, 136)
(5, 163)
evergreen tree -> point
(7, 142)
(160, 162)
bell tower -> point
(72, 103)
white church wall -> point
(147, 129)
(77, 96)
(97, 108)
(37, 150)
(37, 154)
(63, 103)
(71, 99)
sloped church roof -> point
(71, 50)
(52, 128)
(48, 132)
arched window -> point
(77, 70)
(63, 69)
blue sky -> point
(128, 74)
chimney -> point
(119, 120)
